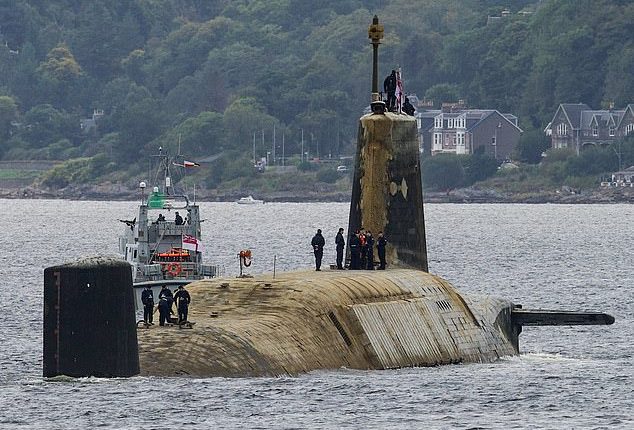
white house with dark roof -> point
(577, 126)
(457, 130)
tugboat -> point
(163, 243)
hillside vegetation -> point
(217, 76)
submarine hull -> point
(303, 321)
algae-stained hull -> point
(304, 321)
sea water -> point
(576, 257)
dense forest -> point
(216, 76)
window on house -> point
(460, 139)
(493, 140)
(629, 128)
(562, 129)
(437, 139)
(595, 130)
(612, 131)
(438, 122)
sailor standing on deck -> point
(147, 298)
(355, 251)
(178, 220)
(165, 305)
(340, 243)
(369, 245)
(182, 299)
(318, 243)
(380, 247)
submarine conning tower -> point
(387, 192)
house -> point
(87, 124)
(577, 126)
(456, 129)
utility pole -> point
(254, 162)
(302, 154)
(283, 136)
(274, 144)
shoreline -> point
(111, 192)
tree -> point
(443, 172)
(478, 166)
(8, 112)
(440, 93)
(60, 65)
(44, 125)
(532, 144)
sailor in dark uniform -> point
(165, 304)
(147, 298)
(408, 108)
(369, 246)
(380, 247)
(182, 299)
(355, 251)
(389, 86)
(340, 243)
(178, 220)
(318, 243)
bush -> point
(328, 175)
(71, 171)
(443, 172)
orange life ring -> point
(174, 269)
(245, 256)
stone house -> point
(457, 130)
(577, 126)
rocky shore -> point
(109, 191)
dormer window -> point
(595, 130)
(612, 131)
(629, 128)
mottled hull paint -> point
(304, 321)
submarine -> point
(295, 322)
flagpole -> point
(302, 154)
(273, 144)
(283, 136)
(254, 148)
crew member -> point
(147, 298)
(380, 247)
(369, 246)
(408, 108)
(178, 220)
(182, 299)
(389, 85)
(165, 305)
(340, 243)
(318, 243)
(161, 218)
(363, 250)
(355, 251)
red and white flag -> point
(399, 91)
(191, 243)
(190, 163)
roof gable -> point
(629, 109)
(573, 113)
